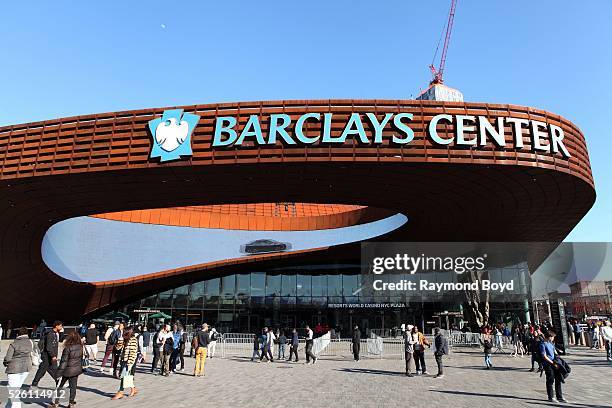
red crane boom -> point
(439, 73)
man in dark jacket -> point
(441, 345)
(356, 343)
(48, 353)
(295, 343)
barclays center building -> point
(261, 213)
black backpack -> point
(114, 337)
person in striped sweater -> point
(128, 358)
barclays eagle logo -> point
(172, 134)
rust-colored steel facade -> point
(93, 164)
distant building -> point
(439, 92)
(589, 298)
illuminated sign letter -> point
(299, 128)
(537, 135)
(327, 137)
(518, 131)
(354, 126)
(433, 129)
(224, 124)
(485, 127)
(462, 127)
(252, 128)
(402, 127)
(556, 142)
(280, 129)
(378, 126)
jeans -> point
(267, 353)
(439, 362)
(309, 354)
(488, 360)
(608, 350)
(72, 384)
(200, 360)
(212, 348)
(92, 351)
(15, 381)
(534, 358)
(165, 369)
(256, 353)
(173, 357)
(408, 356)
(155, 359)
(46, 366)
(281, 351)
(108, 351)
(293, 351)
(419, 360)
(553, 376)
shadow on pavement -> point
(512, 397)
(370, 371)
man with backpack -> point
(212, 346)
(48, 345)
(108, 351)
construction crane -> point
(438, 74)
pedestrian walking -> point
(110, 339)
(70, 367)
(419, 350)
(408, 349)
(182, 345)
(202, 341)
(146, 343)
(282, 342)
(256, 347)
(606, 333)
(487, 345)
(117, 337)
(356, 343)
(212, 345)
(91, 342)
(48, 346)
(267, 350)
(295, 343)
(128, 357)
(176, 344)
(18, 361)
(167, 347)
(309, 343)
(536, 356)
(441, 349)
(551, 368)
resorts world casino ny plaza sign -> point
(171, 133)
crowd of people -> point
(125, 346)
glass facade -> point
(336, 296)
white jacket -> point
(606, 331)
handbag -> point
(84, 360)
(35, 355)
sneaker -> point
(425, 373)
(554, 400)
(409, 375)
(563, 400)
(439, 376)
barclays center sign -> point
(172, 132)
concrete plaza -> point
(340, 382)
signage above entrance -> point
(469, 130)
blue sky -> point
(68, 58)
